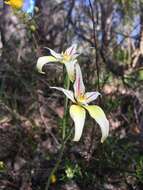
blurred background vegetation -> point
(109, 34)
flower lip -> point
(81, 100)
(66, 58)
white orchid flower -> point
(68, 58)
(80, 98)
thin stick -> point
(95, 44)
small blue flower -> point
(28, 6)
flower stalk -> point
(64, 124)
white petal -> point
(68, 93)
(78, 115)
(71, 50)
(53, 53)
(75, 56)
(79, 88)
(91, 96)
(97, 113)
(43, 60)
(70, 67)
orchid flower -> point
(68, 58)
(80, 98)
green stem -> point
(67, 86)
(58, 161)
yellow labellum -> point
(66, 58)
(81, 99)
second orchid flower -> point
(68, 58)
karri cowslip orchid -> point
(68, 58)
(78, 110)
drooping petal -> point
(53, 53)
(97, 113)
(71, 50)
(91, 96)
(78, 115)
(68, 93)
(70, 67)
(79, 88)
(43, 60)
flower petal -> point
(90, 96)
(70, 67)
(71, 50)
(78, 115)
(79, 88)
(68, 93)
(43, 60)
(97, 113)
(53, 53)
